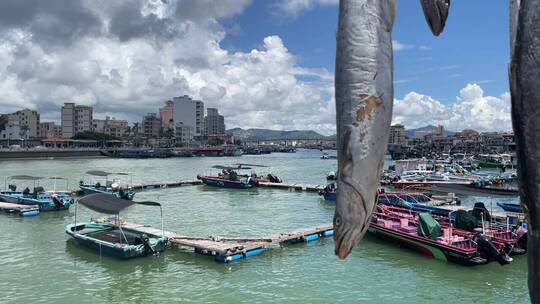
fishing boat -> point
(229, 177)
(45, 200)
(421, 232)
(331, 176)
(228, 181)
(111, 238)
(329, 192)
(109, 187)
(418, 201)
(510, 207)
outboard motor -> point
(58, 203)
(274, 179)
(12, 187)
(146, 243)
(490, 252)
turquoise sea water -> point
(39, 264)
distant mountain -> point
(265, 134)
(412, 133)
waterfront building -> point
(189, 112)
(28, 122)
(214, 124)
(166, 114)
(397, 135)
(12, 131)
(49, 130)
(110, 126)
(183, 133)
(151, 125)
(76, 119)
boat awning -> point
(98, 173)
(105, 203)
(109, 204)
(25, 177)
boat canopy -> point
(98, 173)
(25, 177)
(104, 173)
(110, 204)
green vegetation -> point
(93, 136)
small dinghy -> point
(111, 238)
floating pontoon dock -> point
(294, 186)
(23, 210)
(170, 184)
(232, 249)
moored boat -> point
(45, 200)
(110, 187)
(329, 192)
(111, 238)
(510, 207)
(421, 232)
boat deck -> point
(232, 249)
(25, 210)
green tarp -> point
(428, 227)
(465, 220)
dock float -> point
(225, 249)
(171, 184)
(294, 186)
(22, 210)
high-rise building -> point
(110, 126)
(75, 119)
(214, 123)
(151, 125)
(49, 129)
(190, 113)
(397, 134)
(166, 114)
(28, 121)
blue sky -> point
(263, 64)
(473, 47)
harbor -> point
(206, 221)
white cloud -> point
(131, 67)
(471, 110)
(399, 46)
(295, 7)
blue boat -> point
(510, 207)
(415, 201)
(111, 238)
(45, 200)
(110, 187)
(329, 192)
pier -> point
(225, 249)
(293, 186)
(168, 184)
(22, 210)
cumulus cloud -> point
(295, 7)
(127, 58)
(472, 109)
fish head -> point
(354, 204)
(436, 13)
(351, 219)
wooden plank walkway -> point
(23, 210)
(293, 186)
(168, 184)
(225, 249)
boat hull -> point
(44, 205)
(427, 248)
(223, 183)
(117, 250)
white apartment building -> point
(190, 113)
(75, 119)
